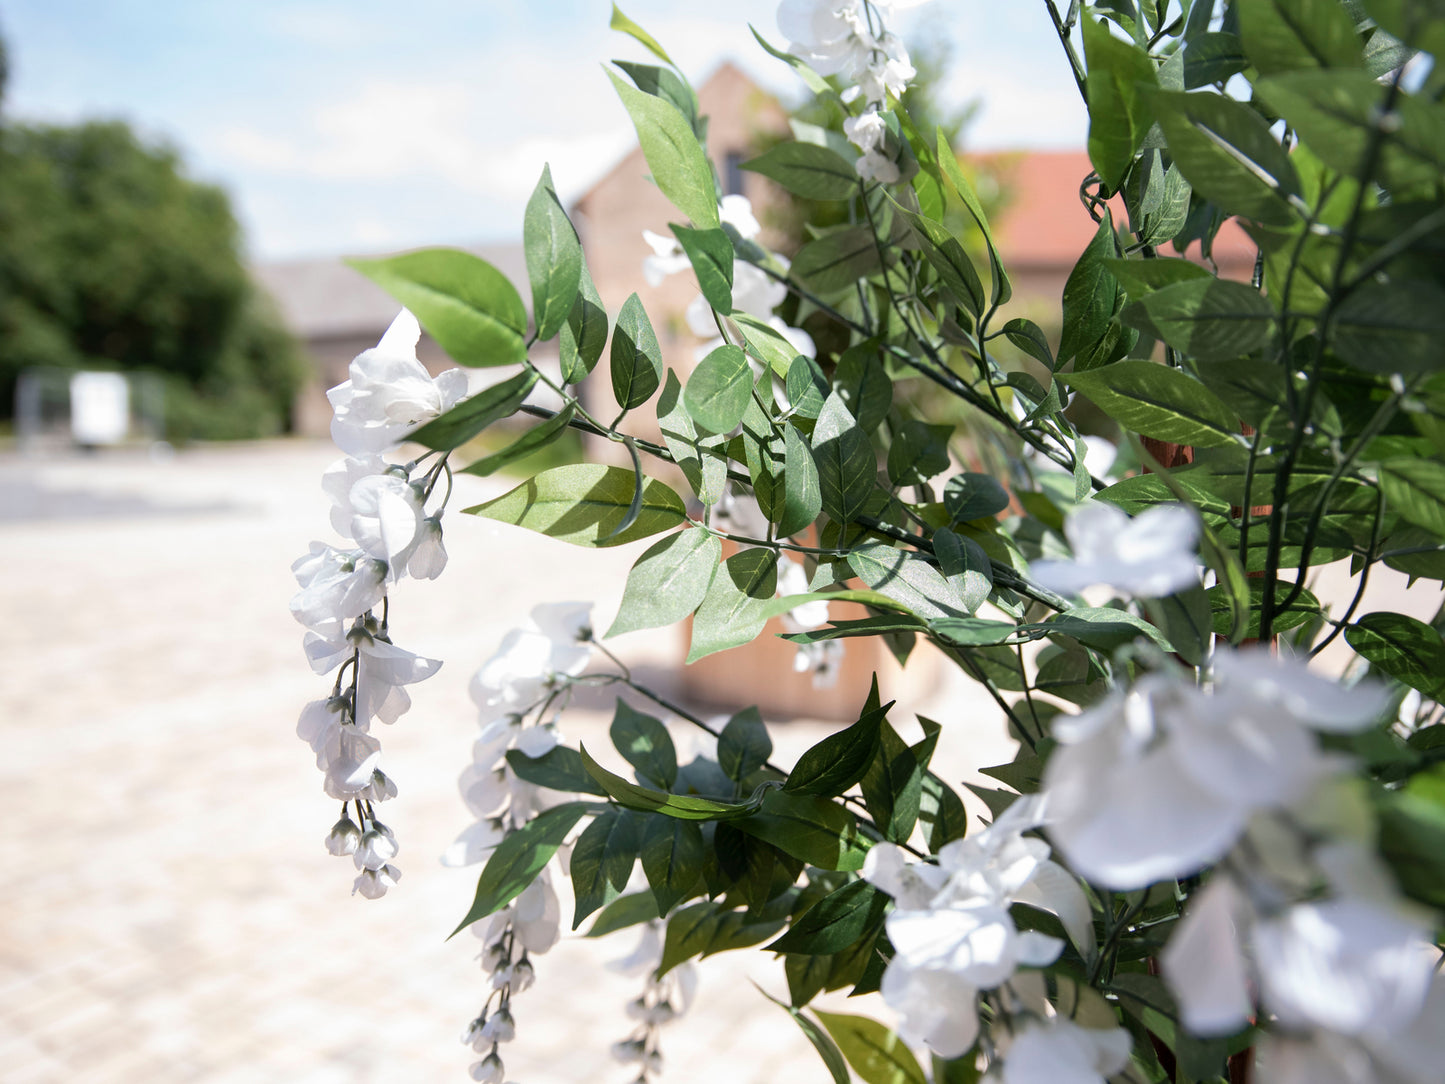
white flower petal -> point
(1204, 963)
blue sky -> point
(362, 125)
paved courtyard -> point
(172, 915)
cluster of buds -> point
(380, 508)
(661, 1002)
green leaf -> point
(826, 1048)
(705, 471)
(678, 163)
(534, 439)
(941, 812)
(672, 857)
(1118, 113)
(1030, 338)
(837, 260)
(711, 255)
(966, 566)
(1138, 277)
(583, 338)
(1226, 151)
(876, 1054)
(1222, 608)
(846, 465)
(627, 26)
(892, 787)
(1403, 647)
(583, 503)
(908, 578)
(864, 385)
(1335, 113)
(809, 827)
(625, 911)
(645, 800)
(975, 631)
(519, 858)
(835, 922)
(668, 582)
(645, 744)
(1415, 488)
(602, 859)
(1208, 319)
(806, 386)
(808, 170)
(764, 342)
(719, 390)
(1090, 294)
(1392, 327)
(667, 85)
(554, 258)
(1285, 35)
(840, 760)
(465, 303)
(919, 452)
(705, 928)
(802, 491)
(1420, 24)
(1213, 58)
(560, 768)
(1159, 402)
(744, 745)
(970, 495)
(636, 357)
(955, 270)
(1103, 628)
(948, 162)
(469, 417)
(731, 611)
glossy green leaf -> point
(668, 582)
(711, 255)
(560, 768)
(1002, 289)
(864, 385)
(1030, 338)
(846, 465)
(1392, 327)
(1103, 628)
(892, 787)
(731, 611)
(975, 631)
(583, 503)
(667, 85)
(970, 495)
(645, 744)
(744, 745)
(554, 258)
(802, 491)
(806, 387)
(1118, 112)
(1420, 24)
(1227, 152)
(908, 578)
(808, 170)
(918, 453)
(1138, 277)
(1207, 319)
(837, 260)
(672, 856)
(1090, 295)
(677, 160)
(941, 813)
(622, 23)
(584, 336)
(703, 929)
(838, 761)
(719, 390)
(465, 303)
(1402, 647)
(1159, 402)
(636, 358)
(1221, 605)
(766, 343)
(1415, 488)
(469, 417)
(699, 458)
(533, 440)
(625, 911)
(519, 858)
(602, 860)
(876, 1054)
(1286, 35)
(811, 828)
(646, 800)
(836, 921)
(1213, 58)
(955, 270)
(966, 567)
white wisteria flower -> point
(382, 670)
(530, 661)
(951, 926)
(337, 586)
(1061, 1052)
(1150, 555)
(388, 392)
(1160, 780)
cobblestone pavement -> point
(172, 915)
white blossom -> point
(373, 883)
(1061, 1052)
(429, 558)
(389, 393)
(382, 670)
(344, 837)
(489, 1070)
(337, 586)
(1150, 555)
(867, 131)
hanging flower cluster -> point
(847, 38)
(662, 1001)
(754, 291)
(514, 692)
(381, 509)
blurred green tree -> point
(112, 258)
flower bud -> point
(500, 1027)
(344, 837)
(489, 1070)
(523, 975)
(381, 787)
(373, 883)
(494, 957)
(376, 848)
(629, 1050)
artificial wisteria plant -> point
(1210, 859)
